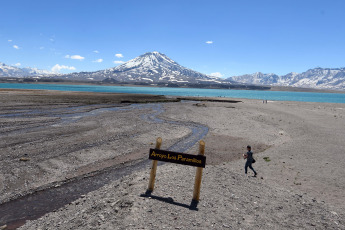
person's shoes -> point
(255, 174)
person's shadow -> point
(169, 200)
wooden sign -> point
(178, 158)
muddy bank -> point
(49, 136)
(34, 97)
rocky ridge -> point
(319, 78)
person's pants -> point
(249, 164)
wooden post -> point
(198, 175)
(154, 167)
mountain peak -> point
(153, 52)
(150, 60)
(150, 67)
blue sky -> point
(278, 36)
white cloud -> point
(57, 68)
(42, 47)
(52, 39)
(77, 57)
(96, 51)
(119, 62)
(216, 74)
(9, 40)
(16, 47)
(98, 60)
(119, 55)
(17, 64)
(209, 42)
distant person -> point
(250, 160)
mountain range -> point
(319, 78)
(12, 71)
(155, 67)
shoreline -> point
(294, 135)
(273, 88)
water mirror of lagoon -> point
(227, 93)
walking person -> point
(250, 160)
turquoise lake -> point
(249, 94)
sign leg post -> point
(198, 175)
(154, 168)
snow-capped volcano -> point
(12, 71)
(148, 61)
(149, 67)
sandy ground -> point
(300, 187)
(304, 141)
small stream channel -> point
(32, 206)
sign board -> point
(199, 161)
(178, 158)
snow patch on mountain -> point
(319, 78)
(13, 71)
(149, 67)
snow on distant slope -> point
(320, 78)
(12, 71)
(257, 78)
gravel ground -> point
(50, 137)
(300, 184)
(229, 200)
